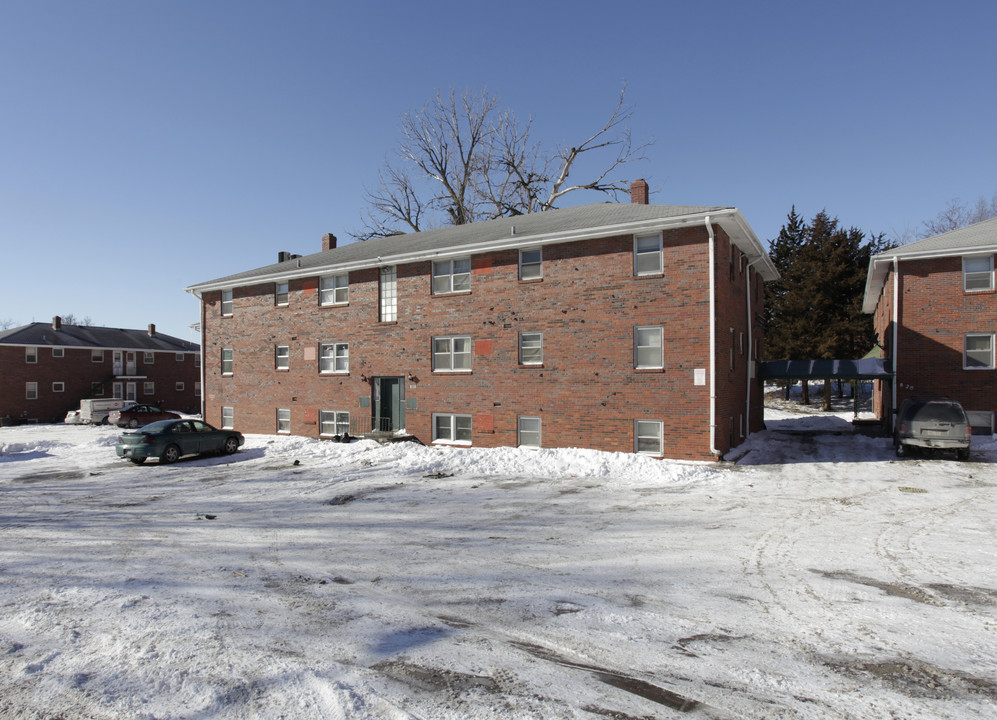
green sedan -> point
(169, 440)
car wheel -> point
(137, 461)
(170, 455)
(231, 445)
(133, 423)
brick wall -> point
(587, 392)
(77, 371)
(935, 315)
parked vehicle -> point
(932, 424)
(135, 416)
(169, 440)
(95, 411)
(73, 418)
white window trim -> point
(58, 352)
(336, 422)
(286, 357)
(522, 360)
(228, 304)
(58, 387)
(180, 357)
(31, 355)
(452, 275)
(660, 253)
(148, 358)
(519, 432)
(538, 264)
(231, 362)
(284, 415)
(31, 390)
(179, 387)
(334, 357)
(334, 286)
(453, 429)
(228, 416)
(978, 274)
(660, 437)
(149, 387)
(661, 347)
(97, 356)
(278, 293)
(965, 353)
(451, 354)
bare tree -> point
(957, 214)
(70, 319)
(7, 324)
(463, 158)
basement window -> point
(452, 428)
(649, 437)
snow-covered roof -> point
(977, 239)
(554, 226)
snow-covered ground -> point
(816, 578)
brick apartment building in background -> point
(47, 368)
(934, 304)
(618, 327)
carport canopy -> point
(869, 368)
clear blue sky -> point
(148, 146)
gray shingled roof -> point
(524, 230)
(81, 336)
(980, 235)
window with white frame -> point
(529, 432)
(97, 389)
(228, 418)
(227, 361)
(197, 388)
(334, 289)
(179, 387)
(732, 348)
(451, 276)
(978, 273)
(197, 360)
(179, 357)
(452, 353)
(97, 356)
(451, 428)
(227, 304)
(148, 388)
(531, 264)
(284, 421)
(149, 358)
(117, 390)
(388, 295)
(531, 348)
(58, 352)
(58, 387)
(31, 355)
(648, 255)
(649, 437)
(978, 351)
(30, 391)
(334, 358)
(282, 357)
(280, 293)
(649, 347)
(334, 422)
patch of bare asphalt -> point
(632, 685)
(53, 475)
(434, 679)
(916, 678)
(910, 592)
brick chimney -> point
(328, 241)
(57, 323)
(152, 330)
(639, 192)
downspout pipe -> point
(713, 341)
(896, 324)
(747, 401)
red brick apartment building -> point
(46, 369)
(619, 327)
(935, 310)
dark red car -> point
(135, 416)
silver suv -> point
(932, 424)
